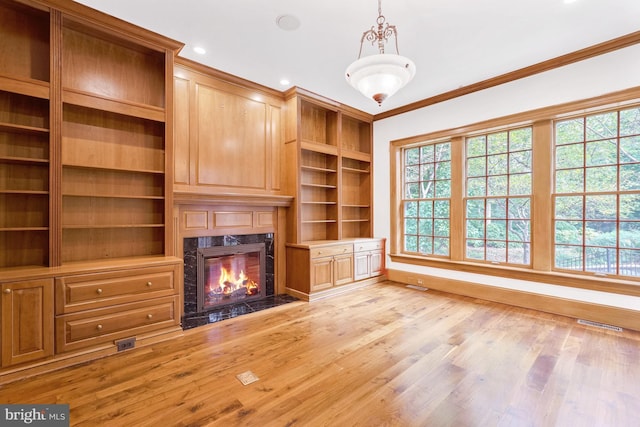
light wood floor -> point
(385, 355)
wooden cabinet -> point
(330, 266)
(368, 258)
(323, 268)
(27, 321)
(328, 151)
(98, 308)
(86, 154)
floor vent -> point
(416, 287)
(600, 325)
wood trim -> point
(583, 281)
(225, 77)
(231, 199)
(616, 316)
(550, 64)
(584, 106)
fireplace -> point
(205, 256)
(230, 274)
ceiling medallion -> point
(381, 75)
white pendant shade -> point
(379, 76)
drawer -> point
(87, 291)
(324, 251)
(367, 246)
(85, 329)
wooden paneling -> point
(228, 137)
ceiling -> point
(453, 43)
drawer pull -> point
(99, 291)
(149, 316)
(7, 291)
(149, 284)
(99, 327)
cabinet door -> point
(361, 265)
(27, 321)
(343, 268)
(321, 273)
(376, 263)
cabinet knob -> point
(149, 284)
(99, 291)
(99, 327)
(7, 291)
(149, 316)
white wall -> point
(596, 76)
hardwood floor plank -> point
(383, 355)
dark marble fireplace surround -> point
(192, 317)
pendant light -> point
(381, 75)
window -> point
(498, 190)
(532, 196)
(597, 193)
(427, 192)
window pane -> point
(603, 178)
(443, 151)
(630, 177)
(630, 235)
(570, 156)
(441, 246)
(600, 233)
(497, 251)
(476, 187)
(570, 181)
(426, 227)
(476, 146)
(630, 206)
(630, 263)
(630, 149)
(412, 173)
(518, 253)
(602, 126)
(475, 249)
(441, 227)
(443, 189)
(569, 232)
(443, 170)
(427, 172)
(600, 260)
(569, 257)
(519, 208)
(411, 243)
(520, 139)
(475, 228)
(426, 245)
(426, 208)
(601, 207)
(568, 131)
(497, 143)
(496, 208)
(412, 191)
(411, 209)
(497, 164)
(441, 209)
(475, 208)
(427, 154)
(520, 184)
(411, 226)
(520, 162)
(569, 207)
(519, 231)
(630, 121)
(497, 230)
(602, 153)
(497, 185)
(412, 156)
(476, 166)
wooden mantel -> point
(232, 199)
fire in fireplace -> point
(230, 274)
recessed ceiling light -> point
(285, 82)
(288, 22)
(199, 50)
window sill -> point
(583, 281)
